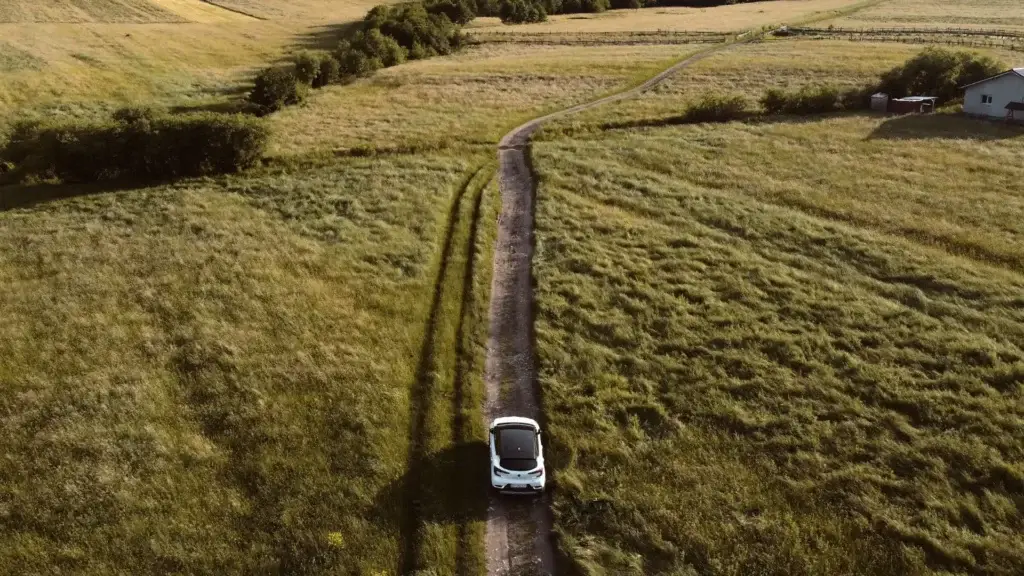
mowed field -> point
(728, 18)
(977, 14)
(86, 58)
(789, 346)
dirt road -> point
(519, 530)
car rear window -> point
(516, 443)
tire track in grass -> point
(436, 518)
(420, 395)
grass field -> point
(214, 377)
(280, 371)
(785, 348)
(475, 96)
(86, 58)
(748, 70)
(307, 403)
(729, 18)
(995, 14)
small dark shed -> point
(912, 105)
(1015, 111)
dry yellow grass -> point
(474, 96)
(991, 14)
(309, 10)
(196, 51)
(750, 69)
(734, 18)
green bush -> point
(276, 88)
(817, 99)
(774, 101)
(411, 25)
(522, 12)
(136, 144)
(460, 12)
(857, 98)
(716, 108)
(627, 4)
(307, 67)
(938, 72)
(329, 72)
(355, 62)
(583, 6)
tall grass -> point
(214, 377)
(789, 348)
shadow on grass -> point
(945, 126)
(325, 37)
(446, 488)
(29, 195)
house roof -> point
(1015, 106)
(1017, 71)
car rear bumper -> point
(518, 485)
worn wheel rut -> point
(519, 531)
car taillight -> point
(498, 472)
(537, 473)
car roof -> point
(516, 442)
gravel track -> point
(519, 530)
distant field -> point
(748, 70)
(994, 14)
(730, 18)
(82, 59)
(475, 96)
(786, 348)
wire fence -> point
(1004, 39)
(1001, 33)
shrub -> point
(774, 101)
(458, 11)
(716, 108)
(355, 62)
(137, 146)
(937, 72)
(307, 67)
(329, 72)
(818, 99)
(375, 44)
(411, 24)
(857, 98)
(522, 12)
(626, 4)
(276, 88)
(583, 6)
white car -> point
(517, 456)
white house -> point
(992, 97)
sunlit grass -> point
(748, 70)
(978, 14)
(789, 348)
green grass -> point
(747, 70)
(779, 348)
(213, 377)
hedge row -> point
(387, 36)
(136, 144)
